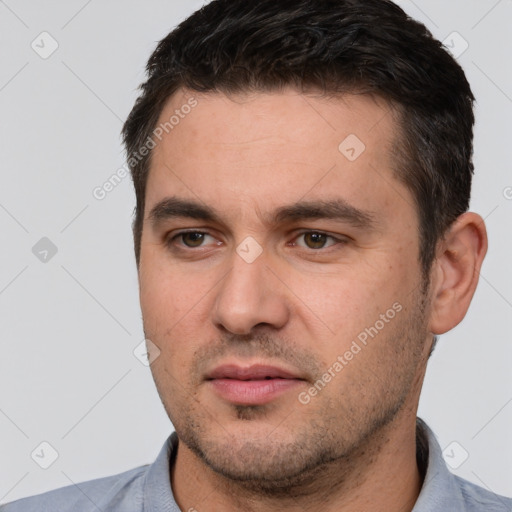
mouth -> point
(251, 385)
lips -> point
(251, 385)
(255, 372)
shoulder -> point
(107, 493)
(477, 498)
(124, 492)
(444, 491)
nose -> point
(249, 295)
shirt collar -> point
(157, 486)
(440, 490)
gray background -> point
(69, 326)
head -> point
(250, 108)
(334, 46)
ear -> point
(456, 271)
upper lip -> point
(253, 372)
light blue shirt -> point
(148, 489)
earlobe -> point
(456, 271)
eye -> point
(190, 239)
(313, 240)
(317, 240)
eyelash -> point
(170, 241)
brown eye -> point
(315, 240)
(192, 239)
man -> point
(303, 172)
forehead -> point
(287, 114)
(266, 149)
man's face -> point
(303, 297)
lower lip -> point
(252, 392)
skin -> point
(299, 305)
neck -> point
(382, 474)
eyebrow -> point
(336, 209)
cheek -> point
(175, 309)
(347, 301)
(166, 295)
